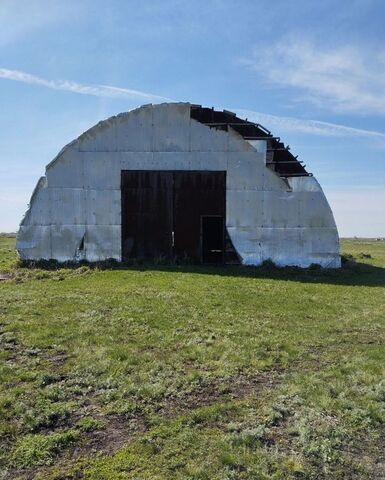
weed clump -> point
(315, 267)
(89, 424)
(33, 450)
(268, 264)
(50, 417)
(346, 258)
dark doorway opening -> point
(212, 239)
(162, 214)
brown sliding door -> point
(163, 214)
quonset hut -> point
(179, 180)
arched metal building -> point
(179, 180)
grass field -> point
(193, 372)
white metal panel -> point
(103, 242)
(236, 143)
(137, 161)
(246, 242)
(245, 208)
(282, 245)
(66, 240)
(314, 210)
(281, 209)
(34, 242)
(103, 207)
(321, 245)
(67, 170)
(245, 171)
(39, 212)
(171, 161)
(171, 127)
(135, 132)
(67, 206)
(102, 170)
(211, 161)
(206, 139)
(100, 138)
(272, 181)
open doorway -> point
(212, 228)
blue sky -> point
(312, 72)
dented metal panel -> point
(65, 242)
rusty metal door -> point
(147, 208)
(196, 194)
(162, 211)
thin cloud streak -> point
(75, 87)
(312, 127)
(342, 79)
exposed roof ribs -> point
(278, 157)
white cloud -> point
(313, 127)
(68, 86)
(343, 79)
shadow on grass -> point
(352, 273)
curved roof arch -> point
(278, 156)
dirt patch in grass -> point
(117, 431)
(215, 391)
(5, 276)
(113, 432)
(19, 354)
(58, 358)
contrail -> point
(312, 127)
(75, 87)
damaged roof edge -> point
(283, 162)
(279, 159)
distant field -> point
(193, 372)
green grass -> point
(190, 372)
